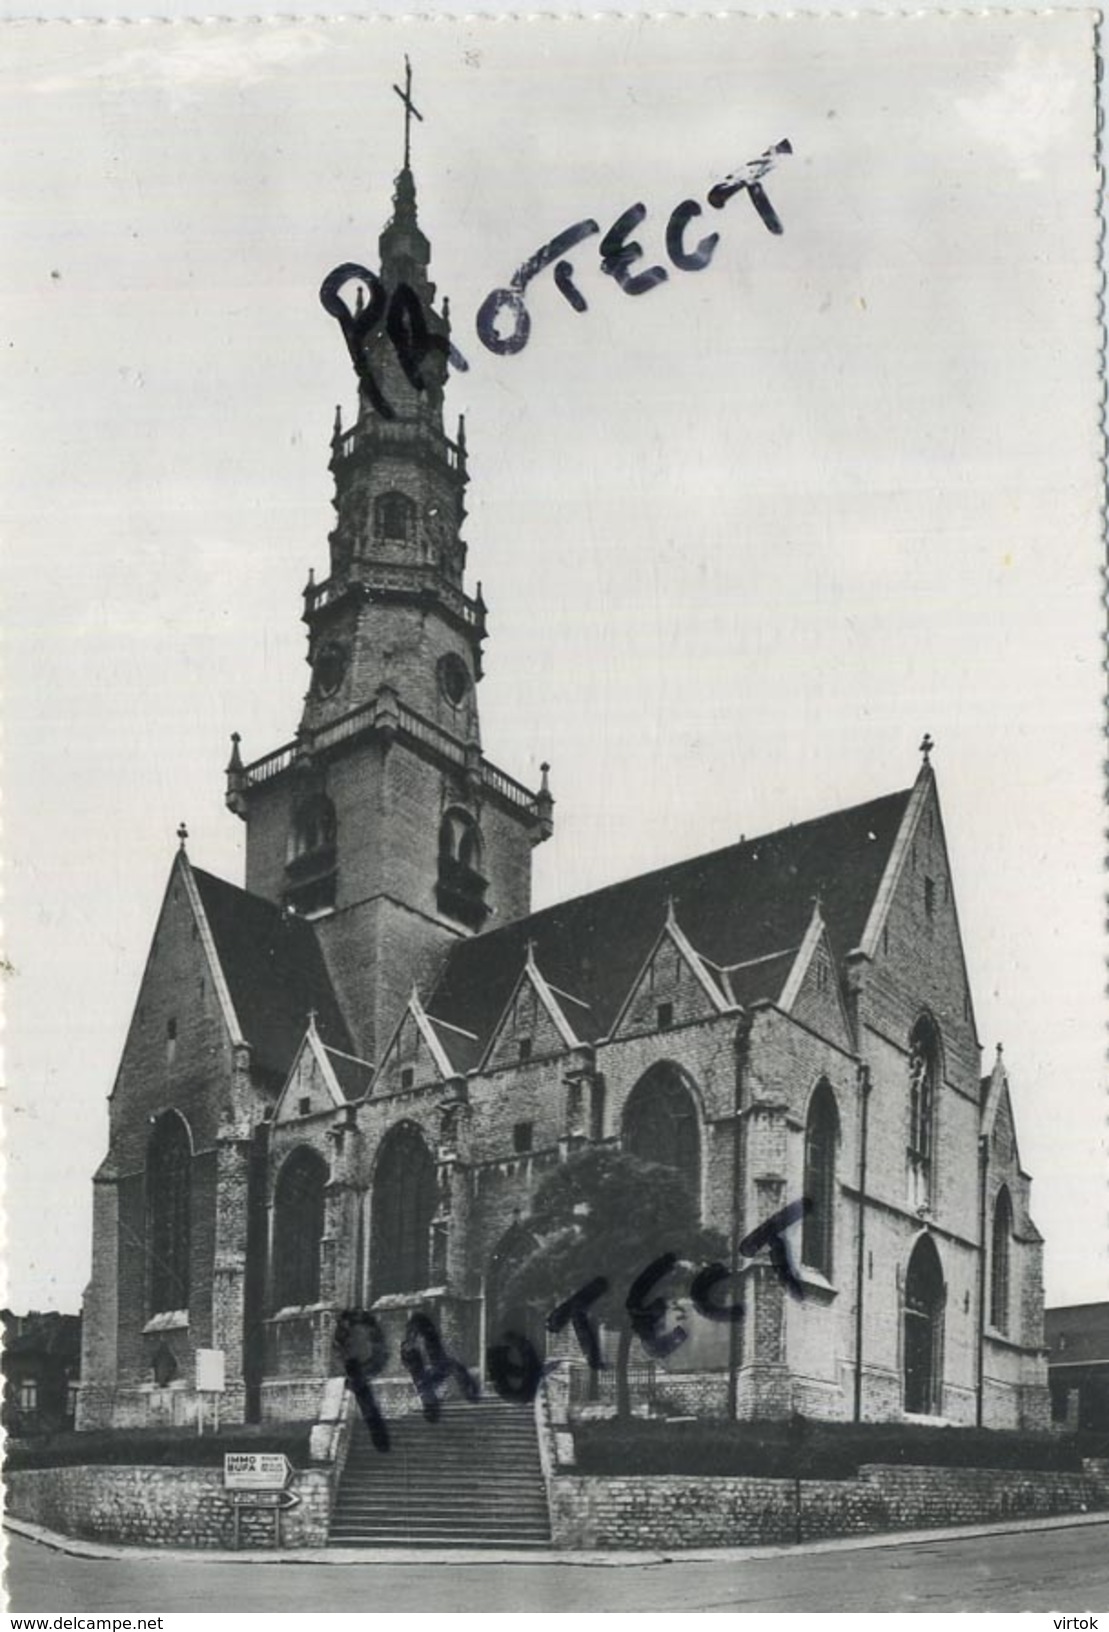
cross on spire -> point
(410, 109)
(926, 748)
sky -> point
(743, 538)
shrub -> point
(158, 1447)
(808, 1450)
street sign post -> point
(256, 1481)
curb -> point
(76, 1547)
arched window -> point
(313, 829)
(924, 1073)
(168, 1212)
(923, 1345)
(1000, 1260)
(394, 517)
(821, 1139)
(461, 889)
(661, 1124)
(403, 1206)
(311, 871)
(298, 1222)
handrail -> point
(418, 575)
(346, 444)
(409, 724)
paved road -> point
(1063, 1570)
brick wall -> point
(162, 1507)
(671, 1511)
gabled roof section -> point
(995, 1097)
(531, 976)
(740, 907)
(310, 1053)
(710, 984)
(415, 1015)
(812, 994)
(274, 973)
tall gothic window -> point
(821, 1138)
(922, 1344)
(404, 1200)
(924, 1069)
(661, 1124)
(1000, 1261)
(394, 517)
(168, 1213)
(298, 1224)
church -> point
(345, 1079)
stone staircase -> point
(472, 1479)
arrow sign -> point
(264, 1498)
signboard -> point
(256, 1470)
(210, 1371)
(263, 1498)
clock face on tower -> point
(328, 669)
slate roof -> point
(1084, 1328)
(748, 904)
(353, 1075)
(275, 973)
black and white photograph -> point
(554, 816)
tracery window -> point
(298, 1225)
(821, 1139)
(661, 1124)
(168, 1213)
(405, 1197)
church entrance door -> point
(923, 1350)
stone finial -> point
(544, 806)
(926, 747)
(182, 836)
(337, 428)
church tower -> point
(382, 821)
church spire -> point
(405, 252)
(411, 111)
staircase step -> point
(471, 1479)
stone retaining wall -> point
(162, 1507)
(670, 1511)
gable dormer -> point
(414, 1056)
(674, 987)
(812, 991)
(311, 1088)
(535, 1023)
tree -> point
(614, 1234)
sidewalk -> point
(340, 1556)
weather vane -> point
(410, 108)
